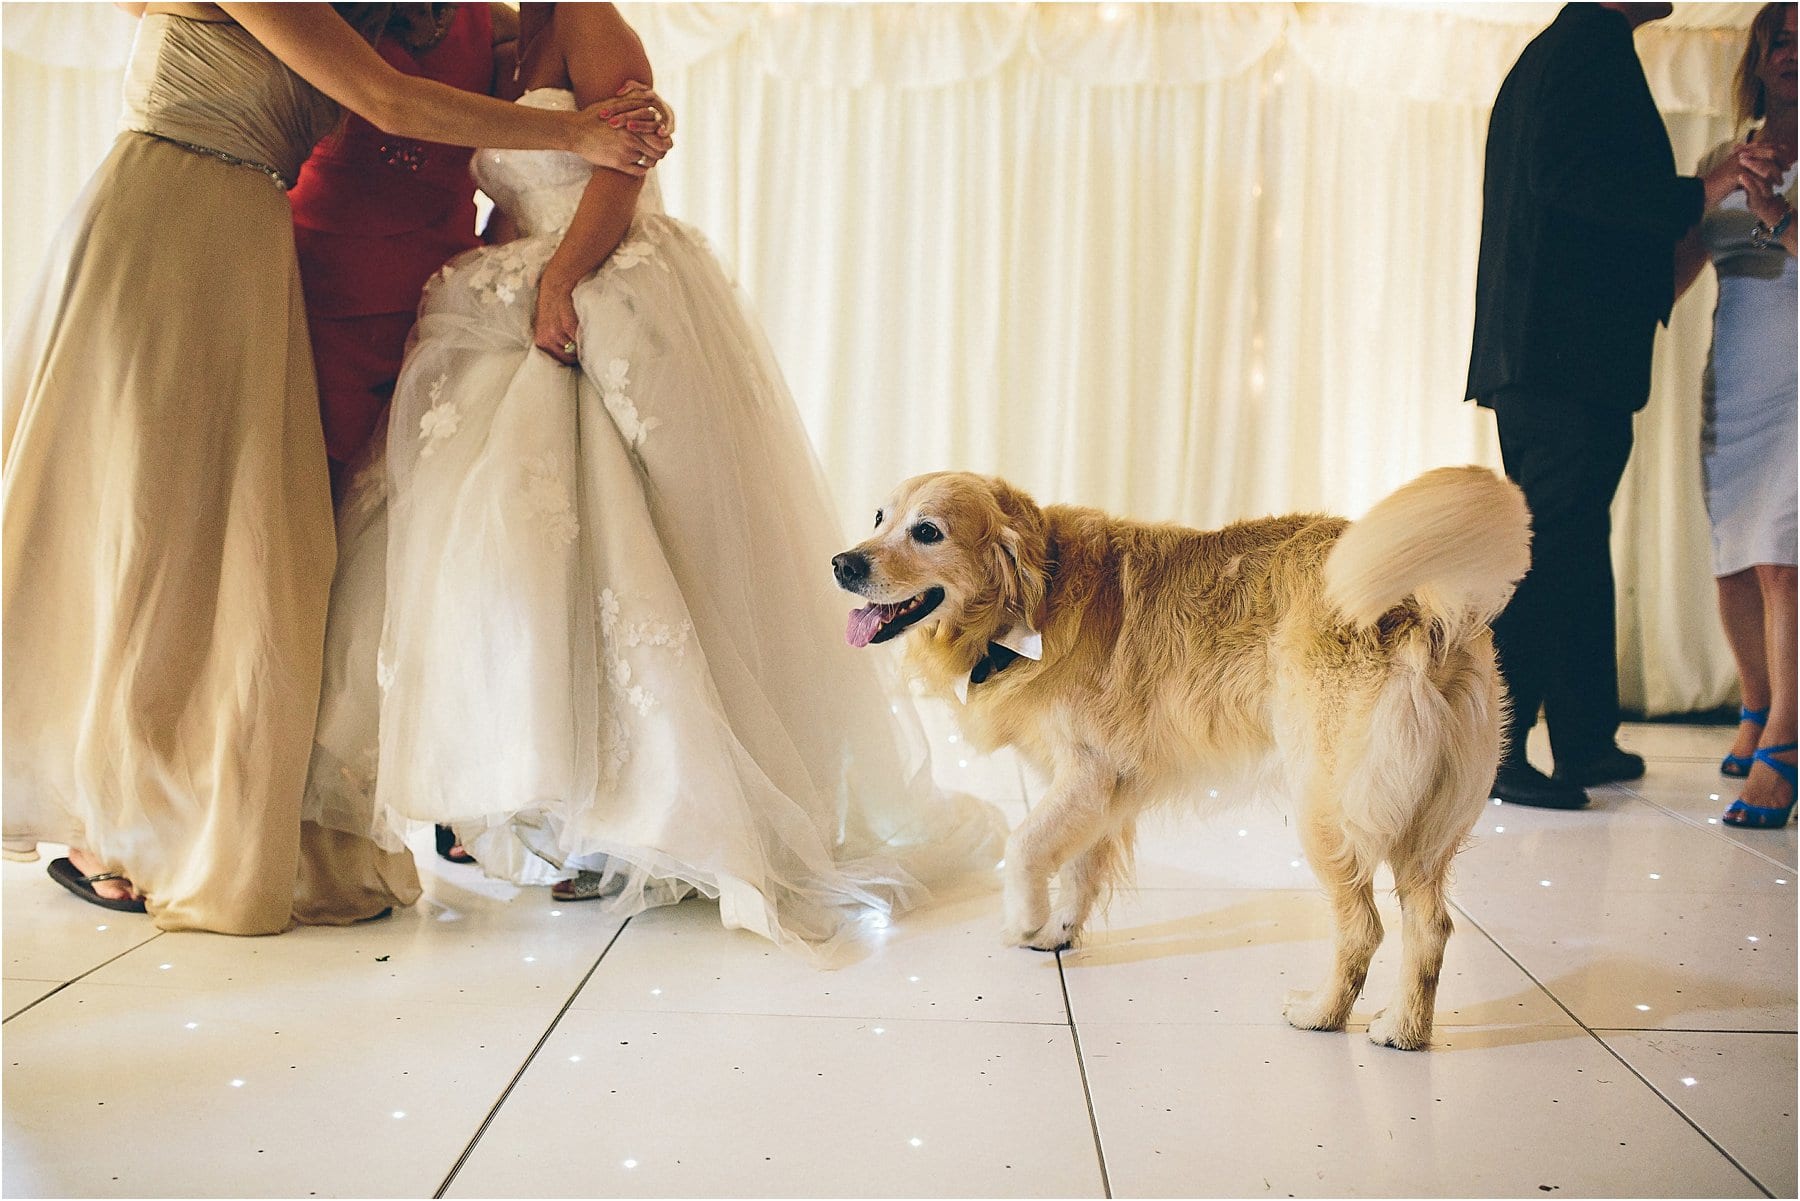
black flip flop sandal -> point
(65, 873)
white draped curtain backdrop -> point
(1192, 262)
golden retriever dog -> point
(1346, 668)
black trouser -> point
(1556, 640)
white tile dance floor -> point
(1617, 1019)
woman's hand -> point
(1748, 158)
(629, 133)
(555, 329)
(614, 147)
(640, 109)
(1765, 202)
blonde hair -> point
(1747, 90)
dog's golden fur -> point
(1346, 666)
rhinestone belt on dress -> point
(280, 181)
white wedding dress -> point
(612, 640)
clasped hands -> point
(628, 132)
(1756, 168)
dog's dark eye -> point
(879, 515)
(926, 532)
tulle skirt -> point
(612, 640)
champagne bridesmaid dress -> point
(168, 541)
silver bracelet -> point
(1763, 237)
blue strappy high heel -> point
(1757, 817)
(1738, 766)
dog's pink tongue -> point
(865, 623)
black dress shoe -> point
(1523, 784)
(1609, 766)
(448, 848)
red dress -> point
(374, 216)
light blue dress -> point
(1747, 437)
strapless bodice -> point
(213, 86)
(540, 189)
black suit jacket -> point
(1581, 210)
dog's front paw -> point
(1051, 936)
(1027, 915)
(1305, 1011)
(1390, 1031)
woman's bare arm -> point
(602, 54)
(323, 49)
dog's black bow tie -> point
(997, 659)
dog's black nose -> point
(850, 568)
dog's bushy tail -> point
(1456, 540)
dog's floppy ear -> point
(1019, 556)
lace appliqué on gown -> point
(440, 421)
(619, 635)
(550, 500)
(632, 427)
(503, 273)
(637, 248)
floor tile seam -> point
(1279, 1024)
(1502, 891)
(530, 1058)
(1789, 1033)
(313, 992)
(1610, 1050)
(1460, 885)
(1670, 1101)
(1575, 890)
(1627, 792)
(303, 1000)
(1709, 827)
(1087, 1092)
(1044, 1023)
(1515, 961)
(1474, 921)
(84, 975)
(1709, 1029)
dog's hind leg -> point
(1067, 823)
(1350, 888)
(1425, 928)
(1421, 859)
